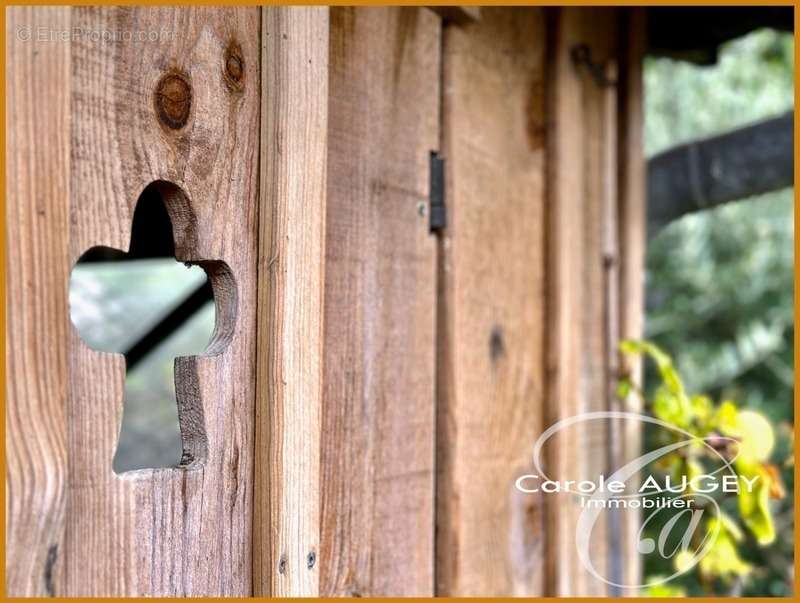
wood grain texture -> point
(563, 288)
(632, 237)
(614, 444)
(490, 383)
(582, 291)
(351, 429)
(185, 530)
(378, 392)
(37, 202)
(290, 294)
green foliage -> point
(753, 79)
(663, 590)
(744, 438)
(754, 505)
(723, 558)
(720, 287)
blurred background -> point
(720, 281)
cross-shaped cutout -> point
(159, 312)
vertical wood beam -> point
(490, 536)
(37, 315)
(582, 296)
(611, 303)
(632, 222)
(564, 191)
(84, 124)
(181, 530)
(380, 298)
(294, 110)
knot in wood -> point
(234, 68)
(173, 100)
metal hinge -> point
(438, 209)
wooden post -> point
(492, 319)
(380, 304)
(294, 111)
(37, 318)
(582, 307)
(632, 222)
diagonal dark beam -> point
(170, 323)
(702, 174)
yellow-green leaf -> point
(631, 347)
(672, 408)
(754, 502)
(722, 559)
(663, 590)
(757, 438)
(730, 526)
(703, 410)
(726, 418)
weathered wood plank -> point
(608, 200)
(582, 289)
(564, 190)
(290, 294)
(186, 530)
(37, 202)
(632, 227)
(378, 392)
(490, 535)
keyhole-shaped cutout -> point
(156, 303)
